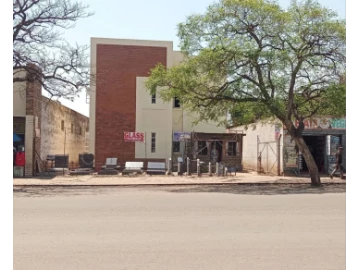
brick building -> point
(41, 124)
(119, 102)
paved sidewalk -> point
(97, 180)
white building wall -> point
(265, 132)
(152, 118)
(19, 96)
(208, 127)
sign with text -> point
(134, 136)
(324, 123)
(181, 136)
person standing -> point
(338, 165)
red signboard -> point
(134, 137)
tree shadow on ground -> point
(241, 189)
(55, 191)
(263, 189)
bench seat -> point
(133, 167)
(156, 168)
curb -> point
(174, 185)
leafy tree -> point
(253, 58)
(39, 49)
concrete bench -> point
(111, 163)
(156, 168)
(133, 167)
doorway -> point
(216, 151)
(317, 145)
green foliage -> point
(254, 60)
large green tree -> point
(256, 59)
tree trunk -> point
(309, 159)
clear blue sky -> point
(146, 19)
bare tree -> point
(40, 50)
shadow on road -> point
(265, 189)
(246, 189)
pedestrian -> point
(338, 165)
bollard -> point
(217, 169)
(188, 166)
(179, 168)
(169, 167)
(198, 167)
(210, 169)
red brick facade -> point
(117, 68)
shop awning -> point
(17, 138)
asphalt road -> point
(177, 228)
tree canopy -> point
(40, 50)
(253, 57)
(256, 60)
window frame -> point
(153, 142)
(176, 101)
(153, 99)
(202, 145)
(178, 147)
(231, 151)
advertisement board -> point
(181, 136)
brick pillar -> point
(29, 145)
(33, 120)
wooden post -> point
(198, 167)
(278, 155)
(188, 166)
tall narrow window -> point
(231, 151)
(153, 142)
(72, 128)
(153, 99)
(62, 125)
(176, 102)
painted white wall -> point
(210, 127)
(19, 96)
(266, 133)
(150, 118)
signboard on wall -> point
(181, 136)
(324, 123)
(134, 136)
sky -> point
(145, 19)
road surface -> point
(177, 228)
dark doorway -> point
(317, 145)
(216, 151)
